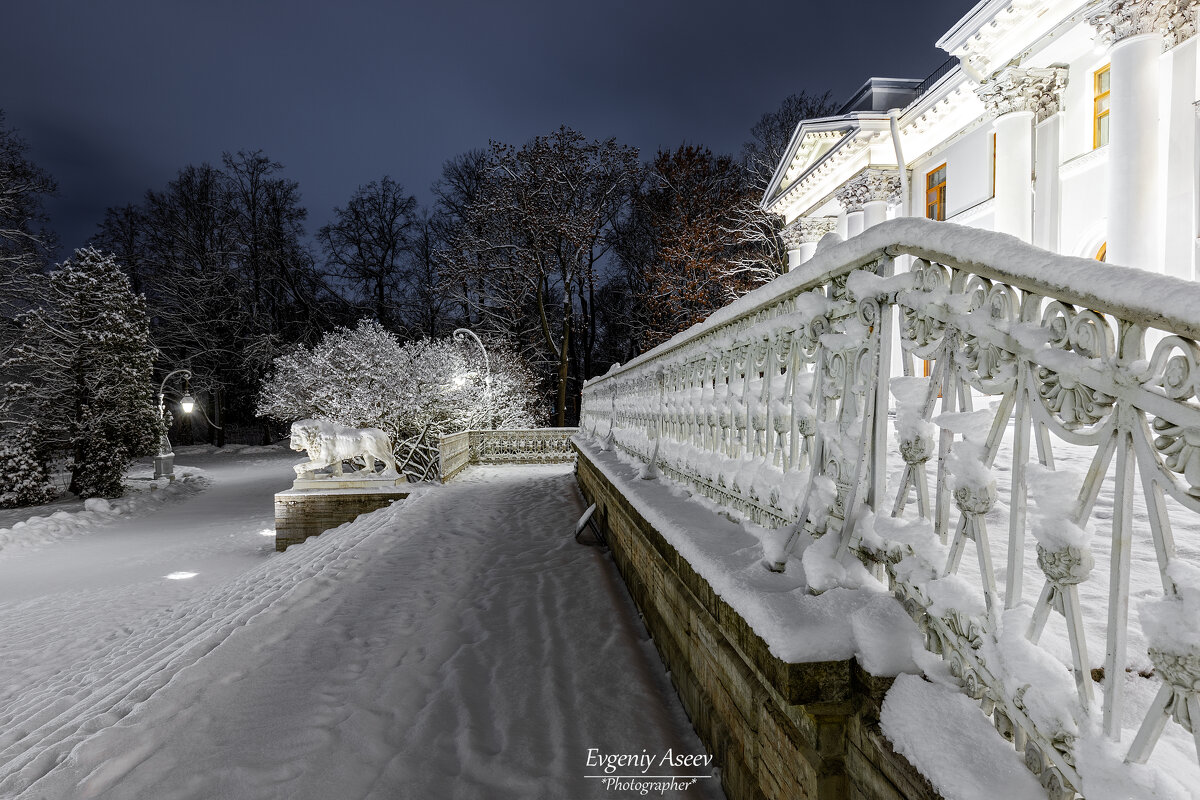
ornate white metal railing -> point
(523, 446)
(769, 409)
(517, 446)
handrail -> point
(775, 408)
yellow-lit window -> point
(1102, 253)
(1101, 106)
(935, 193)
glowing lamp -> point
(187, 403)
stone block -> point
(301, 513)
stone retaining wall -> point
(300, 514)
(777, 730)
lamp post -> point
(461, 335)
(164, 462)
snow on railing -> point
(768, 408)
(455, 453)
(516, 446)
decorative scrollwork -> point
(1182, 672)
(1180, 449)
(1074, 404)
(1066, 566)
(975, 498)
(1175, 367)
(917, 450)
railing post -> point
(883, 373)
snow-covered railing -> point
(455, 453)
(516, 446)
(768, 408)
(523, 446)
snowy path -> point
(457, 645)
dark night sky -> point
(115, 97)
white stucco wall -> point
(968, 161)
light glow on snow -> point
(181, 576)
(267, 532)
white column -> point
(1020, 98)
(854, 222)
(874, 212)
(882, 186)
(1133, 153)
(801, 237)
(1014, 173)
(1136, 29)
(843, 226)
(1177, 149)
(805, 252)
(865, 197)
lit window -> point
(1100, 114)
(935, 193)
(1102, 253)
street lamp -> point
(461, 335)
(164, 462)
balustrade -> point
(517, 446)
(1060, 400)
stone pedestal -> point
(164, 466)
(315, 505)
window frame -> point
(993, 164)
(940, 202)
(1097, 97)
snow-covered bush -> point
(86, 365)
(24, 479)
(364, 377)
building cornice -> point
(1081, 164)
(995, 32)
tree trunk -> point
(564, 356)
(218, 402)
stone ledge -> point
(778, 730)
(801, 682)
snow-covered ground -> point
(458, 644)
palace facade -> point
(1073, 126)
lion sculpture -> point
(329, 444)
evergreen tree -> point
(88, 362)
(24, 479)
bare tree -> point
(752, 227)
(770, 136)
(536, 228)
(679, 260)
(26, 246)
(229, 283)
(366, 244)
(123, 233)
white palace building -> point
(1071, 125)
